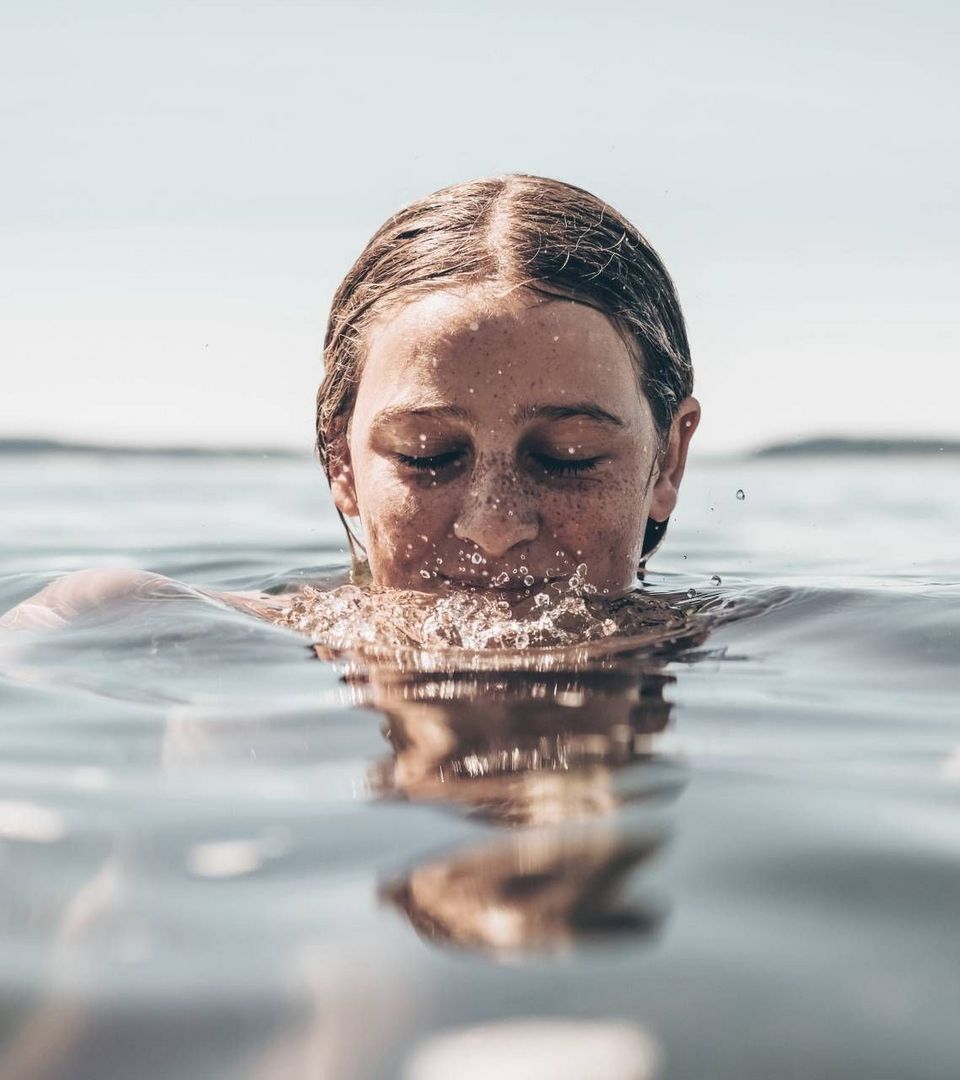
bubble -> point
(541, 600)
(691, 593)
(523, 569)
(740, 494)
(570, 450)
(716, 579)
(422, 437)
(528, 580)
(581, 568)
(476, 558)
(425, 574)
(502, 579)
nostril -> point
(495, 537)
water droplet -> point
(716, 579)
(422, 437)
(476, 558)
(425, 573)
(541, 600)
(528, 580)
(582, 568)
(691, 593)
(740, 495)
(474, 326)
(569, 449)
(501, 579)
(523, 569)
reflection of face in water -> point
(561, 754)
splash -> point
(371, 619)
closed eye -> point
(433, 463)
(565, 466)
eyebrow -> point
(521, 413)
(393, 413)
(566, 412)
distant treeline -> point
(838, 446)
(56, 446)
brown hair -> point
(526, 231)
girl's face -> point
(499, 442)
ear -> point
(667, 485)
(340, 473)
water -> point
(736, 855)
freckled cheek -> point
(602, 522)
(406, 525)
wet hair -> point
(529, 232)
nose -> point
(497, 513)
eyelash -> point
(550, 465)
(428, 464)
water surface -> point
(730, 856)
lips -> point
(487, 585)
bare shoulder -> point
(87, 592)
(74, 594)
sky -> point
(185, 184)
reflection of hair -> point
(504, 898)
(529, 231)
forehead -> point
(480, 347)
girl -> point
(506, 404)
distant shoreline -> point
(30, 447)
(834, 446)
(827, 446)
